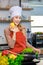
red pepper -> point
(5, 52)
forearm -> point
(9, 40)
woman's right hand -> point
(38, 50)
(15, 29)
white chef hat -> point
(15, 11)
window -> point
(37, 24)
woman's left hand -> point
(38, 50)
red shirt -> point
(20, 44)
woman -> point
(16, 38)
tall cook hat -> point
(15, 11)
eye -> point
(16, 17)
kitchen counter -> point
(41, 62)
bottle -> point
(28, 34)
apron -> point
(20, 43)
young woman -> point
(16, 38)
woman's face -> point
(16, 19)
